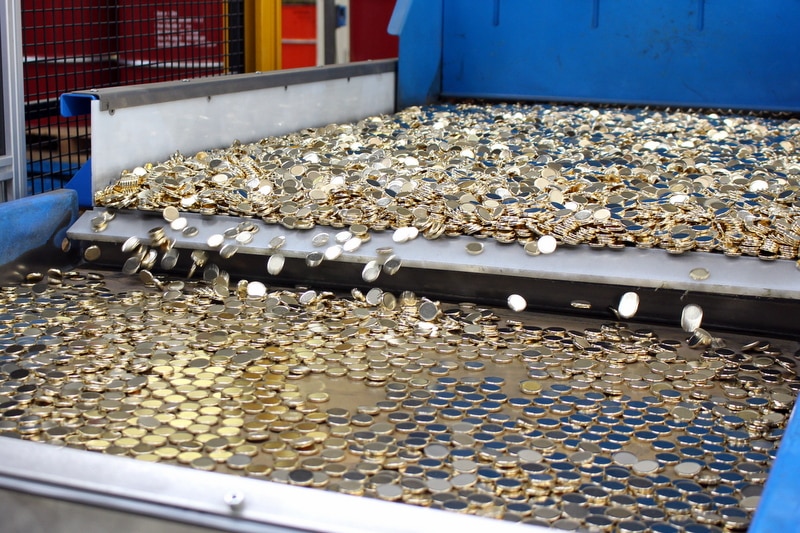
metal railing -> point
(12, 168)
(71, 45)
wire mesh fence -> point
(73, 45)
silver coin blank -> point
(275, 264)
(628, 305)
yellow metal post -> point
(262, 35)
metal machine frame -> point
(217, 501)
(156, 117)
(12, 135)
(136, 124)
(737, 54)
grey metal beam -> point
(153, 93)
(13, 177)
(742, 292)
(229, 502)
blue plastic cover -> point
(779, 508)
(81, 183)
(738, 54)
(35, 221)
(76, 104)
(419, 25)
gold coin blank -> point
(474, 248)
(170, 213)
(92, 253)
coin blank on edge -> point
(371, 271)
(691, 318)
(131, 244)
(92, 253)
(628, 305)
(517, 303)
(581, 304)
(256, 289)
(428, 310)
(275, 264)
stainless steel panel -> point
(127, 136)
(128, 482)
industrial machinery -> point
(379, 300)
(11, 149)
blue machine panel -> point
(739, 54)
(779, 509)
(38, 221)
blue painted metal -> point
(739, 54)
(779, 508)
(701, 14)
(81, 183)
(35, 221)
(48, 175)
(76, 104)
(419, 25)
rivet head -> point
(234, 499)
